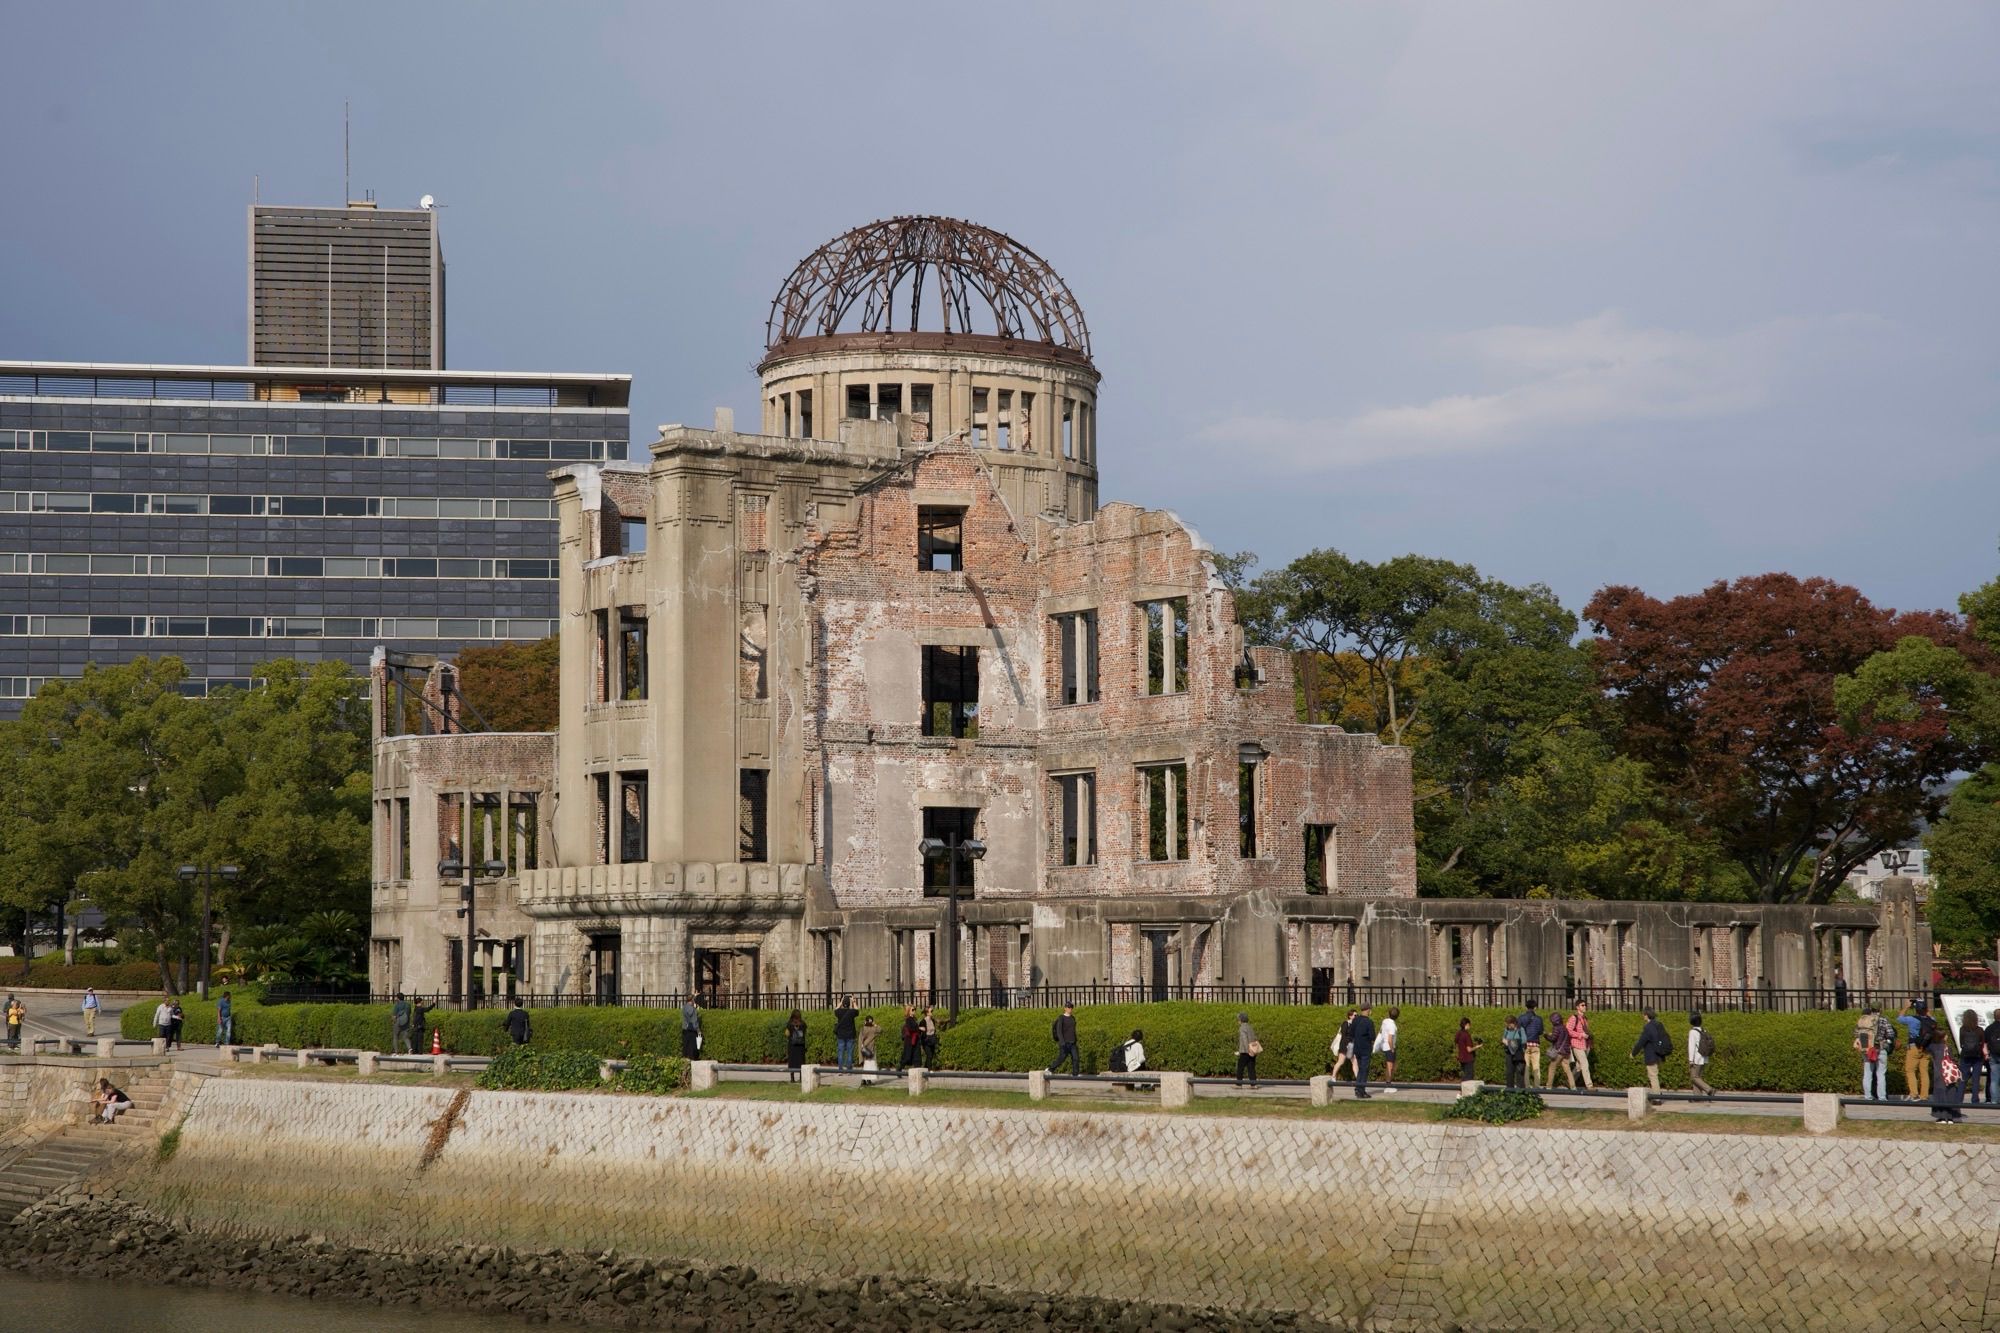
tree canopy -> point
(512, 686)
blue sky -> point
(1580, 293)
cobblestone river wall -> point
(1366, 1225)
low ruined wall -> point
(1380, 1225)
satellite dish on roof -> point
(427, 203)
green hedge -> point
(50, 973)
(1808, 1052)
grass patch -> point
(169, 1144)
(348, 1074)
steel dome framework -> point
(890, 276)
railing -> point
(1666, 999)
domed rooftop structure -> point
(955, 331)
(958, 282)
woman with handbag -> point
(1248, 1048)
(1947, 1082)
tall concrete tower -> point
(358, 286)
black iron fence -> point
(1666, 999)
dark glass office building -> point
(229, 515)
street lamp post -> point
(464, 871)
(952, 850)
(207, 875)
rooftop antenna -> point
(346, 155)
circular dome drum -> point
(926, 281)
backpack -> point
(1118, 1058)
(1707, 1044)
(1055, 1032)
(1926, 1031)
(1885, 1035)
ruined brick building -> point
(806, 673)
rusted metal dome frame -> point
(957, 260)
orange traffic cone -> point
(437, 1041)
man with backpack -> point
(1874, 1038)
(1129, 1057)
(1531, 1026)
(1917, 1025)
(1701, 1048)
(1653, 1046)
(1063, 1033)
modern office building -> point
(229, 515)
(354, 286)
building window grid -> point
(185, 505)
(307, 446)
(275, 566)
(274, 627)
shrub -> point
(525, 1068)
(51, 973)
(1495, 1107)
(657, 1074)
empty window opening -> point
(401, 870)
(858, 407)
(485, 838)
(1249, 795)
(979, 423)
(951, 691)
(1163, 799)
(940, 539)
(951, 825)
(1166, 645)
(523, 832)
(751, 678)
(1003, 422)
(604, 967)
(920, 401)
(785, 414)
(603, 661)
(752, 814)
(1068, 428)
(1076, 637)
(1076, 799)
(1025, 438)
(632, 536)
(631, 817)
(631, 653)
(601, 782)
(888, 401)
(1320, 862)
(806, 413)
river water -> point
(33, 1305)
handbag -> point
(1948, 1070)
(1256, 1047)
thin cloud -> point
(1540, 383)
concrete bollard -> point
(1822, 1112)
(106, 1048)
(1638, 1102)
(1472, 1087)
(159, 1046)
(368, 1062)
(919, 1076)
(701, 1076)
(808, 1080)
(1176, 1089)
(1038, 1085)
(440, 1064)
(303, 1059)
(605, 1073)
(1322, 1089)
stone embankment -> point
(1352, 1224)
(98, 1239)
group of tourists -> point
(409, 1020)
(1932, 1071)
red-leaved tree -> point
(1728, 694)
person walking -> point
(1948, 1087)
(1839, 991)
(843, 1034)
(913, 1038)
(930, 1038)
(1531, 1027)
(1385, 1042)
(1063, 1032)
(690, 1029)
(1701, 1045)
(1559, 1061)
(17, 1013)
(1580, 1042)
(1972, 1055)
(1361, 1040)
(1512, 1045)
(1466, 1046)
(1917, 1027)
(420, 1017)
(517, 1024)
(1993, 1060)
(90, 1011)
(1129, 1057)
(871, 1032)
(1653, 1046)
(400, 1042)
(225, 1021)
(1248, 1048)
(163, 1017)
(178, 1017)
(1874, 1038)
(1343, 1048)
(795, 1044)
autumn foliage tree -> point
(512, 686)
(1727, 695)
